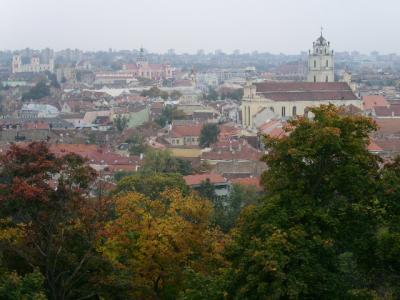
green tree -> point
(152, 185)
(45, 207)
(137, 144)
(153, 92)
(240, 197)
(209, 135)
(207, 190)
(40, 90)
(27, 287)
(175, 95)
(161, 161)
(314, 232)
(212, 94)
(121, 122)
(169, 114)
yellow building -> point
(291, 99)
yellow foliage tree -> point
(151, 242)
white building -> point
(291, 99)
(33, 67)
(33, 111)
(321, 62)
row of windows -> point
(193, 140)
(326, 63)
(283, 111)
(326, 78)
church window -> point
(315, 78)
(326, 79)
(272, 109)
(315, 63)
(294, 111)
(248, 115)
(327, 63)
(283, 111)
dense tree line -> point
(326, 225)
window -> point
(326, 79)
(315, 78)
(283, 111)
(294, 111)
(248, 115)
(272, 109)
(315, 63)
(327, 63)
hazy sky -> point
(287, 26)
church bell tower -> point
(321, 62)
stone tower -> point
(16, 63)
(321, 62)
(141, 60)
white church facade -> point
(291, 99)
(321, 64)
(35, 66)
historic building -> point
(35, 66)
(280, 99)
(321, 62)
(142, 68)
(291, 99)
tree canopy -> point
(209, 135)
(317, 232)
(40, 90)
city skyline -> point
(286, 27)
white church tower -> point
(321, 62)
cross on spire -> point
(322, 29)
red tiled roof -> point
(306, 91)
(232, 151)
(391, 145)
(248, 181)
(388, 126)
(371, 101)
(182, 130)
(383, 111)
(199, 178)
(373, 147)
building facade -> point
(35, 66)
(291, 99)
(142, 68)
(321, 62)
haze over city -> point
(285, 26)
(199, 149)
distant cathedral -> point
(35, 66)
(321, 62)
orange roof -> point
(372, 101)
(199, 178)
(373, 147)
(248, 181)
(186, 130)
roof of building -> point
(373, 147)
(248, 181)
(371, 101)
(383, 111)
(388, 126)
(199, 178)
(390, 145)
(183, 130)
(305, 91)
